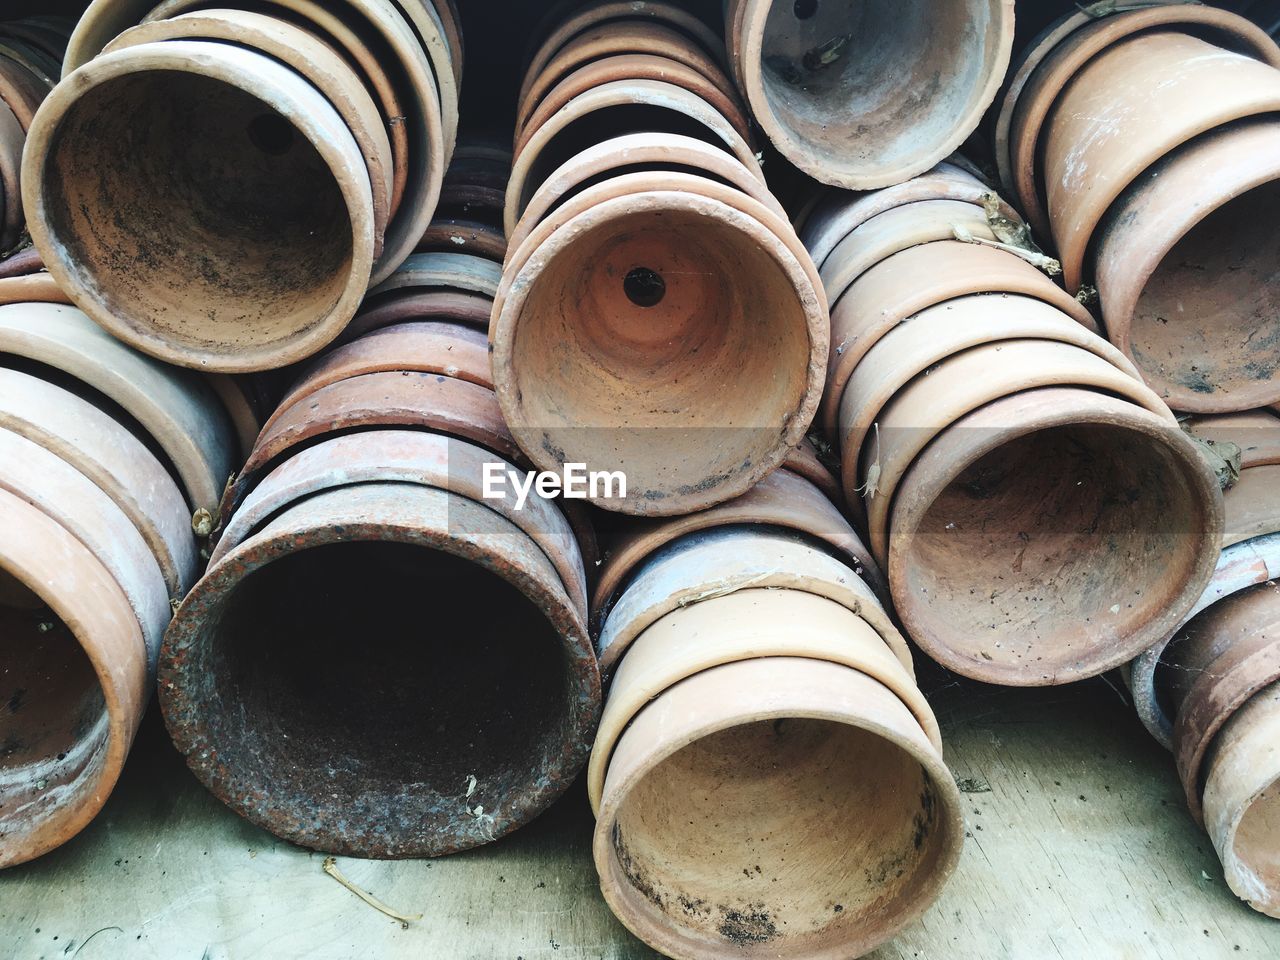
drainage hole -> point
(644, 287)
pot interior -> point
(358, 688)
(779, 837)
(680, 365)
(53, 716)
(1207, 324)
(196, 212)
(1051, 549)
(876, 82)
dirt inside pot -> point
(53, 716)
(1043, 556)
(1208, 320)
(680, 364)
(775, 838)
(875, 82)
(197, 212)
(387, 695)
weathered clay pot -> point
(1256, 433)
(175, 408)
(21, 91)
(447, 235)
(1164, 89)
(1127, 546)
(245, 420)
(445, 271)
(309, 56)
(610, 111)
(766, 763)
(406, 456)
(24, 261)
(576, 385)
(745, 625)
(1185, 270)
(75, 670)
(722, 560)
(1240, 566)
(1217, 662)
(32, 288)
(635, 67)
(902, 285)
(46, 69)
(247, 240)
(12, 139)
(837, 213)
(782, 499)
(445, 745)
(47, 34)
(1252, 505)
(1240, 801)
(865, 96)
(407, 304)
(1058, 67)
(110, 456)
(804, 460)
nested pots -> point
(863, 96)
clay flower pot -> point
(1164, 89)
(446, 745)
(21, 91)
(745, 625)
(444, 271)
(902, 285)
(1202, 212)
(1058, 65)
(309, 56)
(176, 409)
(576, 385)
(446, 235)
(239, 406)
(408, 304)
(75, 654)
(1127, 548)
(1240, 801)
(769, 762)
(190, 271)
(608, 111)
(868, 96)
(32, 288)
(25, 261)
(12, 140)
(721, 560)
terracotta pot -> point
(782, 499)
(446, 745)
(765, 762)
(32, 288)
(560, 377)
(240, 297)
(239, 408)
(1256, 433)
(1240, 801)
(804, 460)
(12, 139)
(640, 11)
(745, 625)
(724, 560)
(1252, 505)
(434, 402)
(447, 271)
(421, 347)
(47, 34)
(1183, 87)
(863, 97)
(1200, 212)
(1060, 65)
(45, 68)
(637, 152)
(609, 111)
(905, 283)
(176, 409)
(894, 231)
(77, 659)
(1127, 548)
(450, 235)
(27, 260)
(1218, 662)
(451, 20)
(116, 461)
(837, 213)
(472, 202)
(21, 91)
(404, 456)
(719, 95)
(310, 57)
(409, 304)
(1240, 566)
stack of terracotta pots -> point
(657, 315)
(1146, 146)
(469, 217)
(110, 464)
(998, 449)
(383, 659)
(219, 188)
(868, 94)
(763, 712)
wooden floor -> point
(1079, 846)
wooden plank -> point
(1079, 845)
